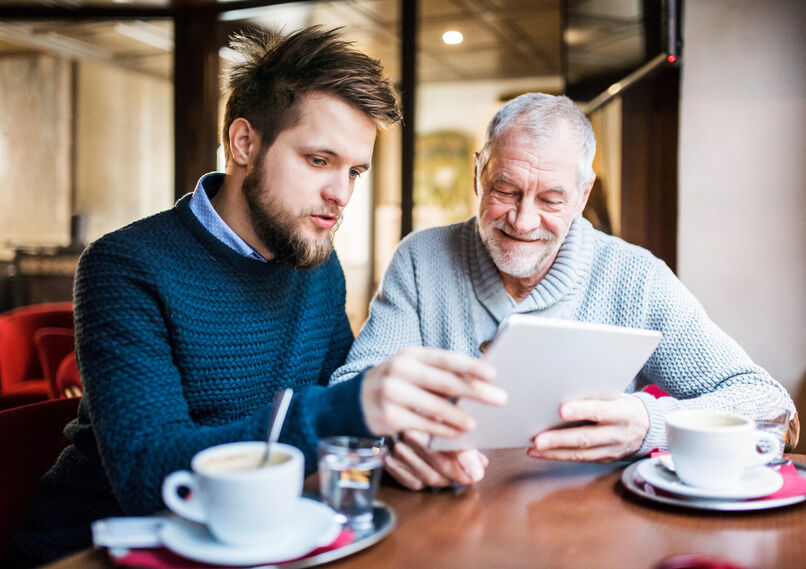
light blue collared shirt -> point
(207, 186)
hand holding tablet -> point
(544, 362)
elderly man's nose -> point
(524, 217)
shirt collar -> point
(207, 187)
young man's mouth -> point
(325, 221)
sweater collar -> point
(570, 269)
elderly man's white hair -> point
(543, 115)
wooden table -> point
(534, 514)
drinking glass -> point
(774, 421)
(349, 471)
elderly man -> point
(529, 250)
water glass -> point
(349, 471)
(774, 421)
(777, 424)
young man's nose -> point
(338, 190)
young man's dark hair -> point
(274, 71)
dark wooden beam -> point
(408, 86)
(650, 113)
(111, 12)
(195, 95)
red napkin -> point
(655, 391)
(794, 483)
(162, 558)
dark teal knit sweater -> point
(182, 343)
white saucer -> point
(313, 525)
(754, 483)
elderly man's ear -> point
(476, 174)
(585, 195)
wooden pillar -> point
(408, 87)
(650, 112)
(196, 94)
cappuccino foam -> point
(241, 461)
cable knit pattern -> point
(442, 290)
(182, 343)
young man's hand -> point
(411, 391)
(416, 466)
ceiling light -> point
(452, 37)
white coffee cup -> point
(712, 449)
(239, 499)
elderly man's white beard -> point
(521, 265)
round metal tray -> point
(383, 521)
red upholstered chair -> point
(52, 346)
(31, 439)
(21, 378)
(68, 380)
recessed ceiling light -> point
(452, 37)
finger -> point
(606, 453)
(399, 418)
(446, 463)
(580, 438)
(420, 467)
(473, 464)
(459, 364)
(596, 410)
(432, 409)
(402, 474)
(447, 383)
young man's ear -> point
(243, 142)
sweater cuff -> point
(657, 410)
(319, 412)
(339, 411)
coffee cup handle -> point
(188, 507)
(771, 453)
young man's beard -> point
(278, 229)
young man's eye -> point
(316, 161)
(354, 174)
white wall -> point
(34, 152)
(742, 217)
(124, 154)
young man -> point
(188, 322)
(530, 250)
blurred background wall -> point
(742, 198)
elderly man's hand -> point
(416, 466)
(618, 430)
(410, 391)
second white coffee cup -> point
(712, 449)
(239, 499)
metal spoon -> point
(282, 400)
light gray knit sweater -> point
(442, 290)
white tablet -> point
(542, 362)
